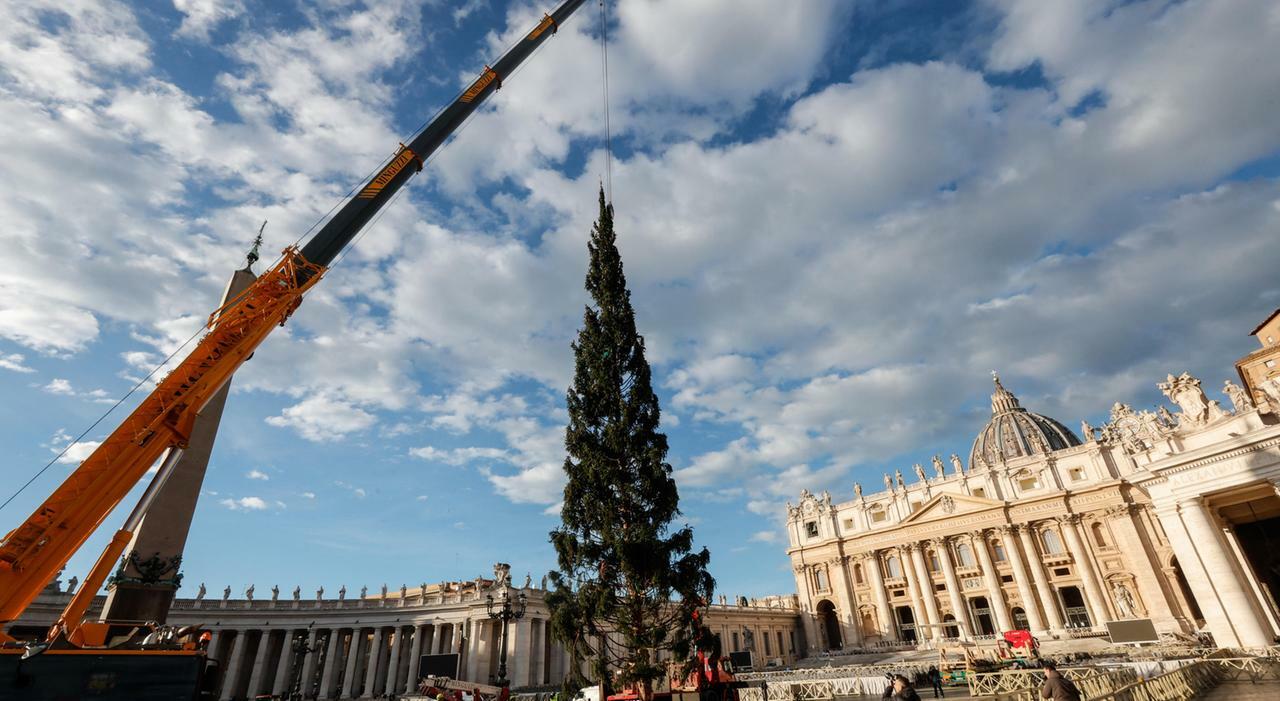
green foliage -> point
(628, 582)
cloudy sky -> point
(837, 218)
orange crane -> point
(40, 546)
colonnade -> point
(942, 578)
(355, 661)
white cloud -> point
(14, 362)
(59, 385)
(308, 495)
(77, 452)
(201, 16)
(323, 419)
(766, 537)
(257, 475)
(246, 504)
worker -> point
(1057, 687)
(935, 680)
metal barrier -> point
(1014, 681)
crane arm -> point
(33, 552)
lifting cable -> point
(608, 132)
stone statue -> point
(297, 592)
(901, 483)
(919, 472)
(384, 590)
(528, 580)
(226, 593)
(544, 583)
(404, 592)
(275, 593)
(364, 591)
(501, 575)
(1184, 390)
(1086, 432)
(888, 481)
(857, 489)
(937, 467)
(71, 584)
(955, 463)
(1165, 417)
(342, 593)
(248, 593)
(320, 594)
(1125, 604)
(1240, 402)
(200, 592)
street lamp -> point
(506, 613)
(300, 650)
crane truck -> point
(108, 660)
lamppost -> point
(506, 613)
(300, 650)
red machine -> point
(709, 677)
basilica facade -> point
(1167, 515)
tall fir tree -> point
(629, 581)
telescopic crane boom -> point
(33, 552)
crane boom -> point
(33, 552)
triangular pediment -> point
(947, 505)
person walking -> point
(1057, 687)
(935, 679)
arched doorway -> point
(982, 619)
(906, 624)
(1073, 605)
(1020, 621)
(830, 624)
(950, 628)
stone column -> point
(888, 626)
(806, 605)
(393, 663)
(308, 662)
(1243, 626)
(850, 633)
(283, 664)
(214, 640)
(926, 589)
(992, 578)
(913, 590)
(1092, 589)
(958, 607)
(258, 672)
(1156, 592)
(415, 654)
(375, 657)
(1048, 601)
(353, 658)
(519, 634)
(233, 666)
(332, 653)
(1023, 579)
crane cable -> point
(608, 131)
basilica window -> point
(1077, 474)
(1052, 543)
(857, 575)
(1029, 482)
(820, 579)
(811, 528)
(1099, 537)
(878, 515)
(979, 492)
(964, 554)
(997, 550)
(893, 566)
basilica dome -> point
(1013, 432)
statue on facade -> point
(342, 593)
(297, 592)
(1196, 409)
(1166, 418)
(919, 472)
(1240, 402)
(528, 580)
(501, 575)
(72, 583)
(275, 593)
(1125, 605)
(320, 594)
(384, 591)
(1086, 431)
(364, 591)
(888, 482)
(938, 468)
(226, 593)
(543, 587)
(901, 483)
(248, 593)
(956, 464)
(200, 592)
(857, 490)
(404, 592)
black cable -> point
(608, 131)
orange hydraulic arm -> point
(33, 552)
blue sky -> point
(836, 218)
